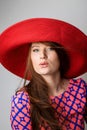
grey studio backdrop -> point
(11, 11)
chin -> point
(43, 73)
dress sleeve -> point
(85, 115)
(20, 112)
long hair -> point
(42, 113)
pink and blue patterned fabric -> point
(70, 108)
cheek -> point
(34, 60)
(54, 57)
(55, 60)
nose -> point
(43, 54)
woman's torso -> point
(69, 108)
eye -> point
(50, 48)
(35, 50)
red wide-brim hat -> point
(14, 44)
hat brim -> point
(14, 44)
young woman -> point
(52, 100)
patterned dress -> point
(70, 108)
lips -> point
(43, 64)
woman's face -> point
(44, 59)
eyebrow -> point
(34, 46)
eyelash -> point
(51, 48)
(34, 50)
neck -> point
(54, 82)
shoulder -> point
(78, 81)
(20, 98)
(79, 84)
